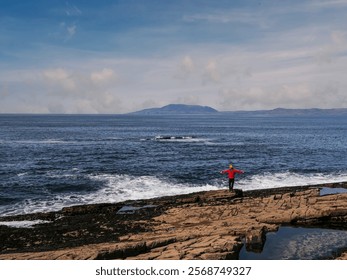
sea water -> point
(51, 161)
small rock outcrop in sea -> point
(206, 225)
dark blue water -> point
(48, 162)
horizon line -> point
(224, 111)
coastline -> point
(203, 225)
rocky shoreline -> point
(204, 225)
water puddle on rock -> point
(129, 209)
(296, 243)
(325, 191)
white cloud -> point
(328, 3)
(66, 31)
(60, 77)
(72, 10)
(339, 37)
(61, 90)
(230, 16)
(102, 76)
(4, 92)
(211, 73)
(296, 67)
(255, 98)
(227, 78)
(71, 30)
(185, 69)
(188, 64)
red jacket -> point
(231, 172)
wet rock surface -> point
(205, 225)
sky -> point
(110, 57)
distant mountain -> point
(174, 109)
(306, 112)
(177, 109)
(313, 111)
(294, 112)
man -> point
(231, 175)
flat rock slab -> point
(205, 225)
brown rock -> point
(205, 225)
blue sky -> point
(120, 56)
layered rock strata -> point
(205, 225)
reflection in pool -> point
(296, 243)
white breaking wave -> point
(23, 224)
(185, 139)
(47, 141)
(117, 188)
(288, 179)
(123, 187)
(60, 141)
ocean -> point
(48, 162)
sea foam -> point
(116, 188)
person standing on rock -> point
(231, 175)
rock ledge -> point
(205, 225)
